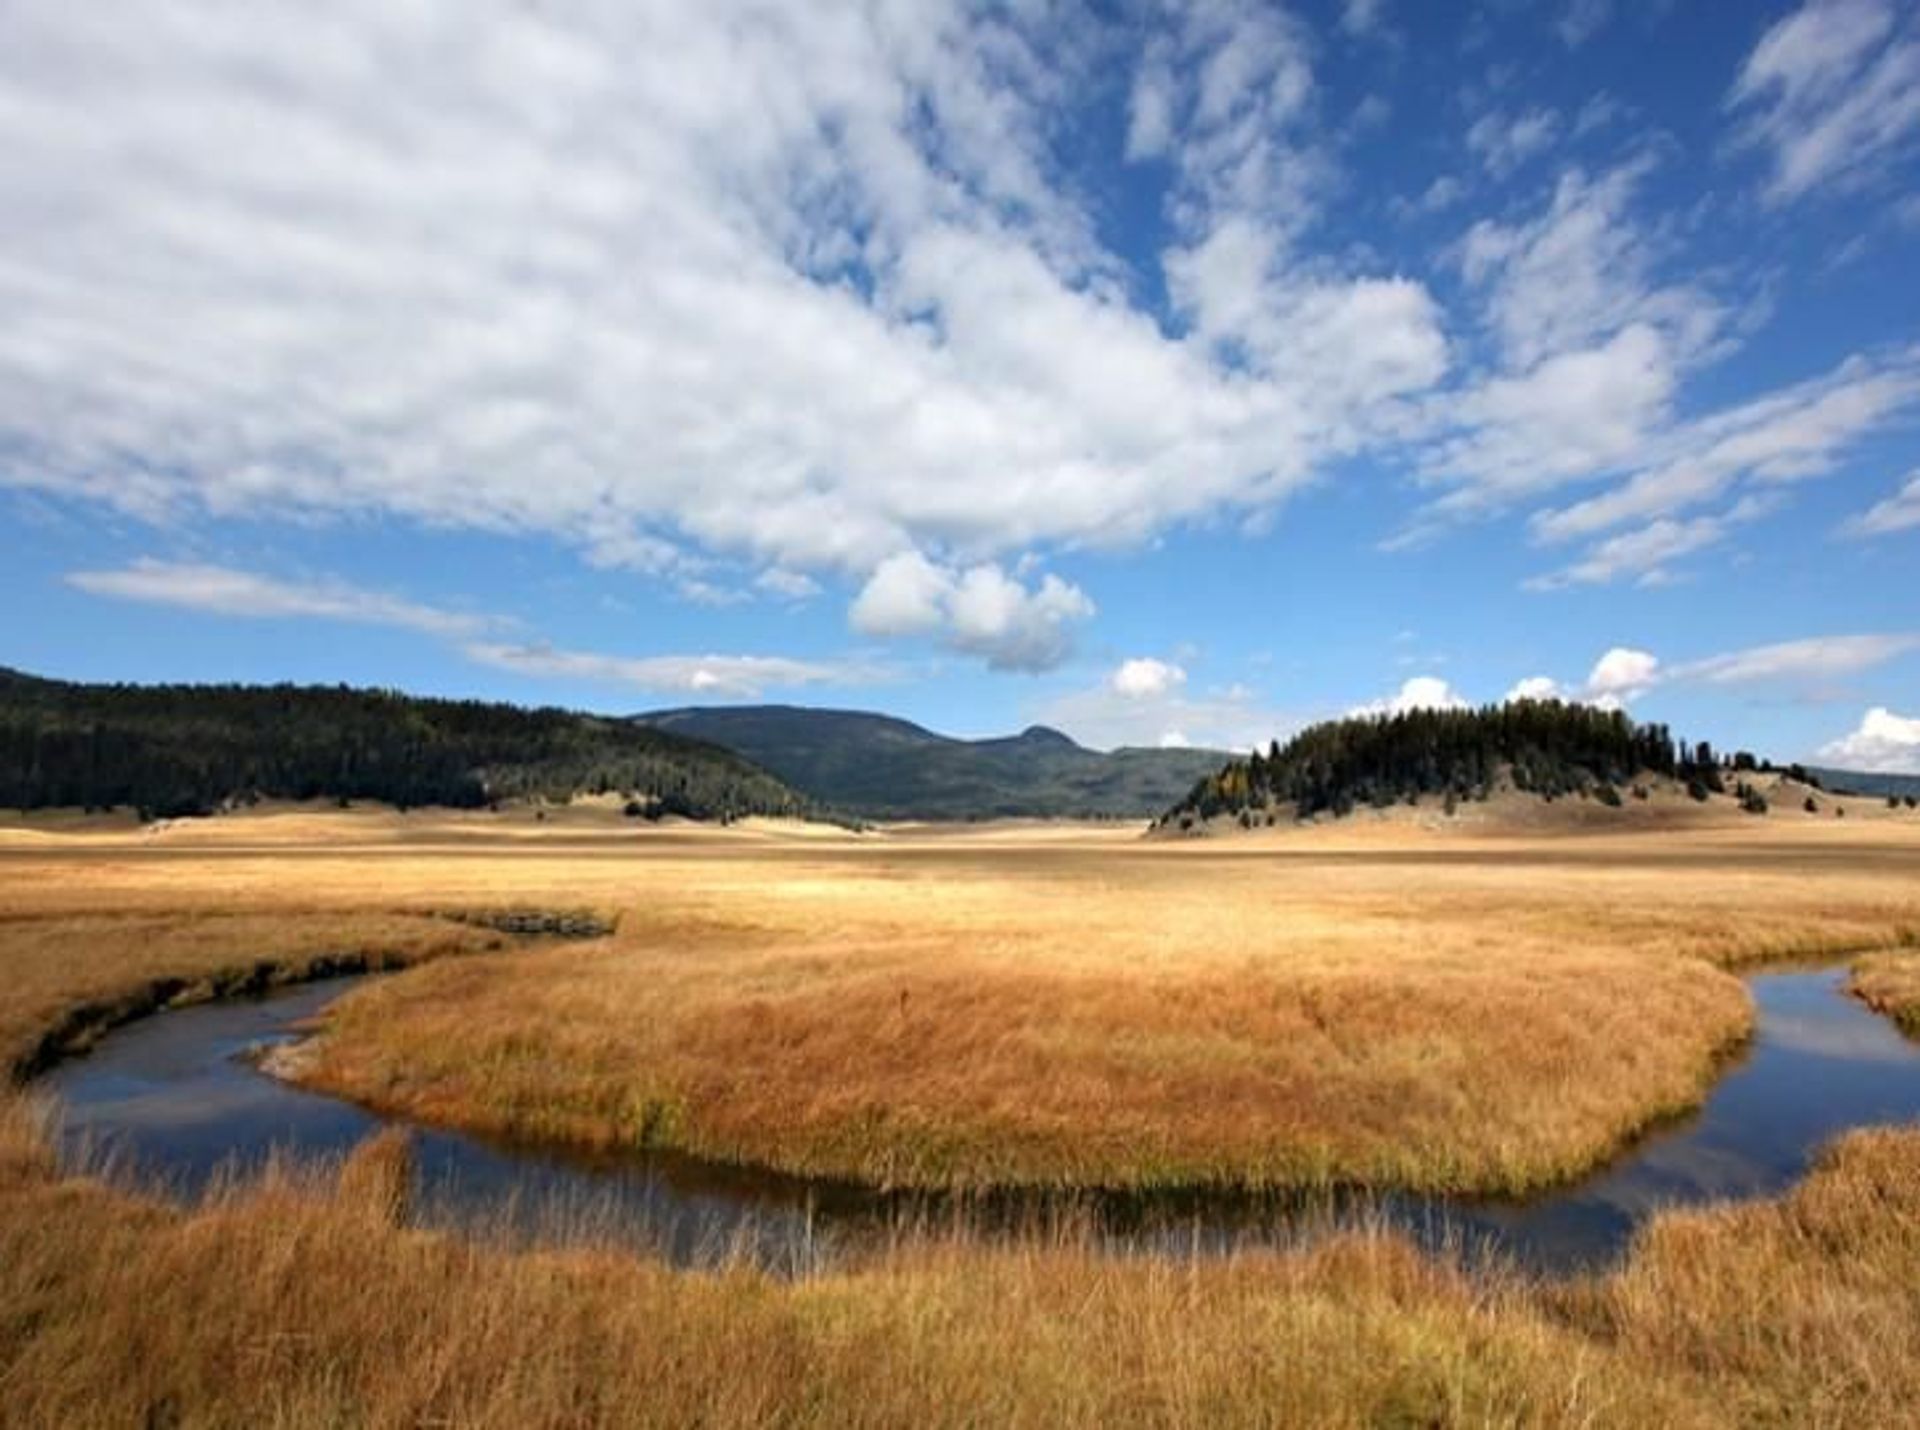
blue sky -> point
(1163, 373)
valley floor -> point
(1383, 1005)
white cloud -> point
(787, 585)
(1884, 742)
(1899, 512)
(1421, 692)
(979, 611)
(1145, 677)
(906, 595)
(222, 590)
(1833, 91)
(712, 677)
(1574, 414)
(1644, 553)
(693, 292)
(607, 263)
(1221, 90)
(1504, 142)
(1597, 113)
(1582, 20)
(1789, 436)
(1361, 17)
(1581, 271)
(1622, 674)
(1534, 687)
(1370, 338)
(1443, 193)
(1604, 414)
(1821, 658)
(1176, 717)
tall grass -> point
(952, 1017)
(1445, 1014)
(1439, 1012)
(295, 1299)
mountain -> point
(1545, 747)
(1864, 782)
(185, 749)
(880, 767)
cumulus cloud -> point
(980, 610)
(222, 590)
(1534, 687)
(712, 677)
(696, 291)
(1883, 742)
(1421, 692)
(1371, 338)
(1622, 674)
(1144, 677)
(1899, 512)
(1833, 93)
(1158, 709)
(659, 283)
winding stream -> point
(173, 1100)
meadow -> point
(1363, 1003)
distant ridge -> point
(1866, 782)
(881, 767)
(170, 750)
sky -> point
(1167, 374)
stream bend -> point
(174, 1100)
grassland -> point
(973, 1013)
(1376, 1006)
(1356, 1003)
(296, 1302)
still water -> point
(173, 1101)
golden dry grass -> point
(1415, 990)
(91, 968)
(1409, 1012)
(288, 1302)
(1372, 1005)
(1890, 983)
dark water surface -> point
(172, 1100)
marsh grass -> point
(1461, 1012)
(1046, 1017)
(991, 1011)
(1889, 982)
(293, 1298)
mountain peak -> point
(1047, 735)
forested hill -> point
(184, 749)
(885, 768)
(1543, 746)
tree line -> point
(1548, 747)
(169, 750)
